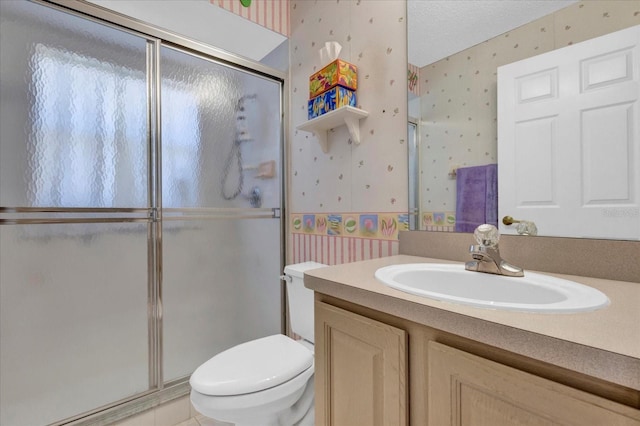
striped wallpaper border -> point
(332, 250)
(271, 14)
(413, 79)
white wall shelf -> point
(344, 115)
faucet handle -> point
(487, 235)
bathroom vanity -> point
(391, 358)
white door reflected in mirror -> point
(569, 139)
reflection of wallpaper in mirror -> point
(458, 97)
(413, 79)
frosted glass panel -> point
(221, 287)
(221, 132)
(73, 133)
(73, 319)
(220, 140)
(73, 111)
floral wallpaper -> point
(366, 183)
(458, 95)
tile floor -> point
(179, 412)
(200, 420)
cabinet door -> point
(465, 389)
(361, 370)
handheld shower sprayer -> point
(241, 135)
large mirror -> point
(455, 49)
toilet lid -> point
(251, 367)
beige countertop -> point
(603, 343)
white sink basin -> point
(531, 293)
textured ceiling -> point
(439, 28)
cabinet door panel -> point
(361, 370)
(465, 389)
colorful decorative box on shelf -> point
(337, 73)
(330, 100)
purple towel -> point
(476, 197)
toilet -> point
(267, 381)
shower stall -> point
(140, 211)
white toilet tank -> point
(300, 299)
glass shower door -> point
(140, 225)
(74, 221)
(221, 194)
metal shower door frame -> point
(159, 392)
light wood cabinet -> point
(363, 358)
(361, 370)
(465, 389)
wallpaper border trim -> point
(381, 226)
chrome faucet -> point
(486, 255)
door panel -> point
(73, 116)
(221, 256)
(221, 287)
(219, 125)
(569, 139)
(73, 318)
(73, 282)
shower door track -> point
(159, 392)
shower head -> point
(239, 105)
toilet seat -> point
(252, 367)
(285, 395)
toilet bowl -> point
(267, 381)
